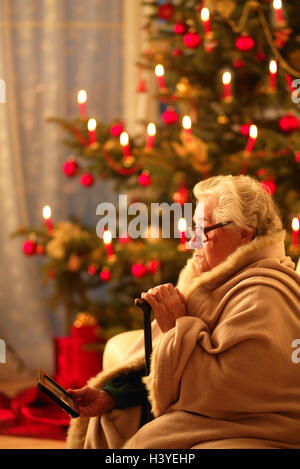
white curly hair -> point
(241, 200)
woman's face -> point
(219, 243)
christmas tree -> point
(227, 74)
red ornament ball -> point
(238, 63)
(138, 270)
(70, 168)
(116, 130)
(166, 11)
(192, 40)
(87, 180)
(144, 179)
(297, 156)
(154, 266)
(244, 129)
(29, 247)
(288, 123)
(181, 196)
(244, 43)
(177, 52)
(169, 116)
(92, 269)
(269, 186)
(179, 28)
(105, 275)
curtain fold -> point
(49, 49)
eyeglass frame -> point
(210, 228)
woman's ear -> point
(247, 235)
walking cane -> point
(146, 308)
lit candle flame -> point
(226, 78)
(159, 70)
(47, 212)
(277, 4)
(124, 139)
(107, 237)
(92, 124)
(186, 123)
(273, 66)
(253, 131)
(295, 224)
(151, 129)
(81, 96)
(204, 14)
(182, 225)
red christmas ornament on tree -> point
(269, 186)
(29, 247)
(192, 40)
(181, 196)
(166, 11)
(116, 130)
(92, 269)
(153, 266)
(177, 52)
(179, 28)
(169, 116)
(105, 275)
(297, 156)
(238, 63)
(244, 129)
(244, 43)
(138, 270)
(70, 168)
(288, 123)
(87, 180)
(144, 178)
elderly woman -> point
(222, 374)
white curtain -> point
(49, 49)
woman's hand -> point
(92, 402)
(167, 303)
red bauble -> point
(166, 11)
(179, 28)
(181, 196)
(269, 186)
(154, 266)
(192, 40)
(139, 270)
(244, 129)
(170, 116)
(124, 238)
(288, 123)
(92, 269)
(297, 156)
(177, 52)
(244, 43)
(87, 180)
(144, 179)
(116, 130)
(238, 63)
(29, 247)
(70, 168)
(105, 275)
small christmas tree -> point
(228, 103)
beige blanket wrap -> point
(223, 377)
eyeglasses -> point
(200, 231)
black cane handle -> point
(143, 304)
